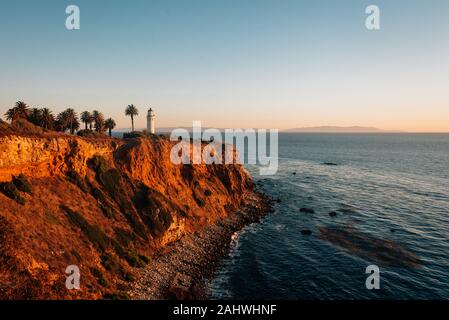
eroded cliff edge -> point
(104, 205)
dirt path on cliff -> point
(181, 269)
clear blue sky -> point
(229, 63)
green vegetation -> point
(10, 190)
(119, 295)
(128, 277)
(111, 263)
(67, 120)
(145, 259)
(110, 124)
(200, 202)
(135, 260)
(100, 277)
(207, 193)
(131, 111)
(75, 178)
(123, 236)
(132, 135)
(20, 111)
(108, 211)
(155, 216)
(87, 119)
(110, 179)
(22, 183)
(98, 119)
(87, 134)
(93, 233)
(76, 255)
(47, 119)
(99, 165)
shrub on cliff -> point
(89, 134)
(111, 263)
(10, 190)
(22, 183)
(75, 178)
(200, 202)
(98, 164)
(110, 179)
(93, 233)
(108, 211)
(100, 277)
(134, 134)
(135, 261)
(157, 218)
(124, 237)
(119, 295)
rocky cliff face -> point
(103, 205)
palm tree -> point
(98, 120)
(35, 116)
(47, 119)
(20, 111)
(109, 124)
(86, 118)
(72, 120)
(67, 120)
(131, 111)
(61, 122)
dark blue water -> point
(397, 181)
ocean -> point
(390, 187)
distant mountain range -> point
(335, 129)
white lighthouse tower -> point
(151, 128)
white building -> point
(151, 126)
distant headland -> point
(336, 129)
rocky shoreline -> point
(181, 270)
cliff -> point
(104, 205)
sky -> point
(232, 63)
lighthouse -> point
(151, 128)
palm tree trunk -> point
(110, 133)
(132, 122)
(85, 124)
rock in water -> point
(306, 232)
(384, 251)
(333, 214)
(307, 210)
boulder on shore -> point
(181, 287)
